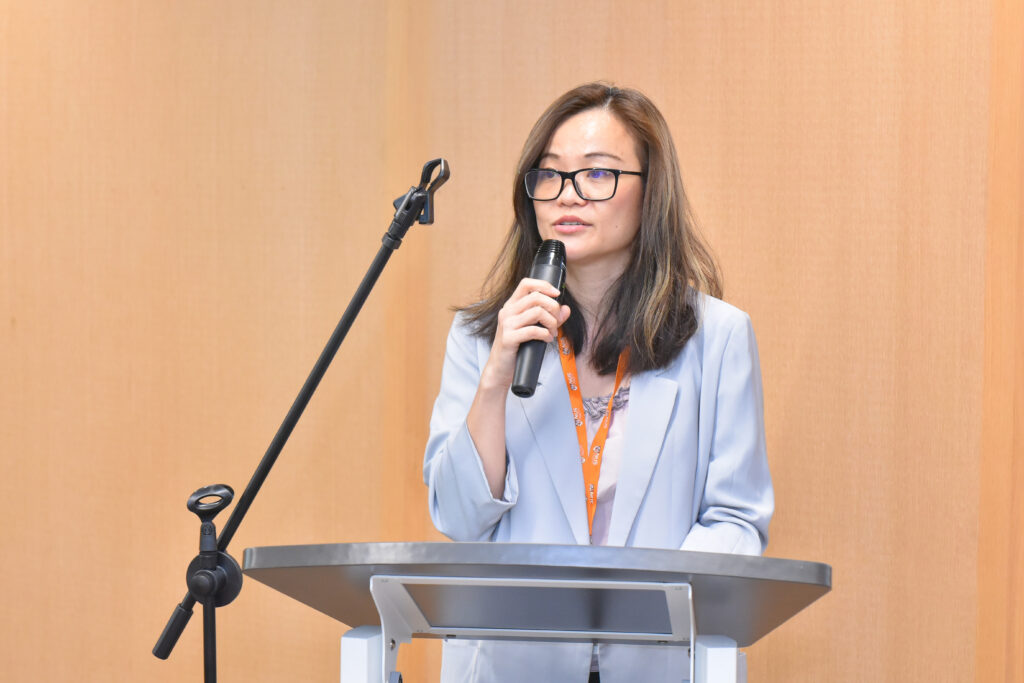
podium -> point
(711, 603)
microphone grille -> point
(550, 251)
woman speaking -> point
(646, 428)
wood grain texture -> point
(1000, 621)
(191, 191)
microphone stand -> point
(214, 577)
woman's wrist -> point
(493, 384)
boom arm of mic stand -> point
(416, 204)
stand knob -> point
(223, 583)
(203, 584)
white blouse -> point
(611, 458)
(611, 461)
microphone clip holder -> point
(417, 204)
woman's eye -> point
(598, 174)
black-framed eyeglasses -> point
(591, 184)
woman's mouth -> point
(569, 224)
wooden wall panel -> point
(189, 193)
(1000, 621)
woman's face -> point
(596, 233)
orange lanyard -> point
(591, 464)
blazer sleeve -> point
(461, 504)
(738, 501)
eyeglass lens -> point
(590, 183)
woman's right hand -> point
(532, 312)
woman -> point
(666, 374)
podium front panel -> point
(566, 609)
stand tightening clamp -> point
(212, 575)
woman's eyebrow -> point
(589, 155)
(603, 154)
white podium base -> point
(361, 660)
(716, 658)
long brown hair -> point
(651, 307)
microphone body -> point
(548, 265)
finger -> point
(532, 317)
(531, 300)
(527, 285)
(513, 338)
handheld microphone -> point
(548, 265)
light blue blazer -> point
(694, 476)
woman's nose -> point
(572, 197)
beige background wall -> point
(190, 192)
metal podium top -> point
(738, 596)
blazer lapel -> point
(549, 415)
(651, 401)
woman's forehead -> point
(592, 135)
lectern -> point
(711, 603)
